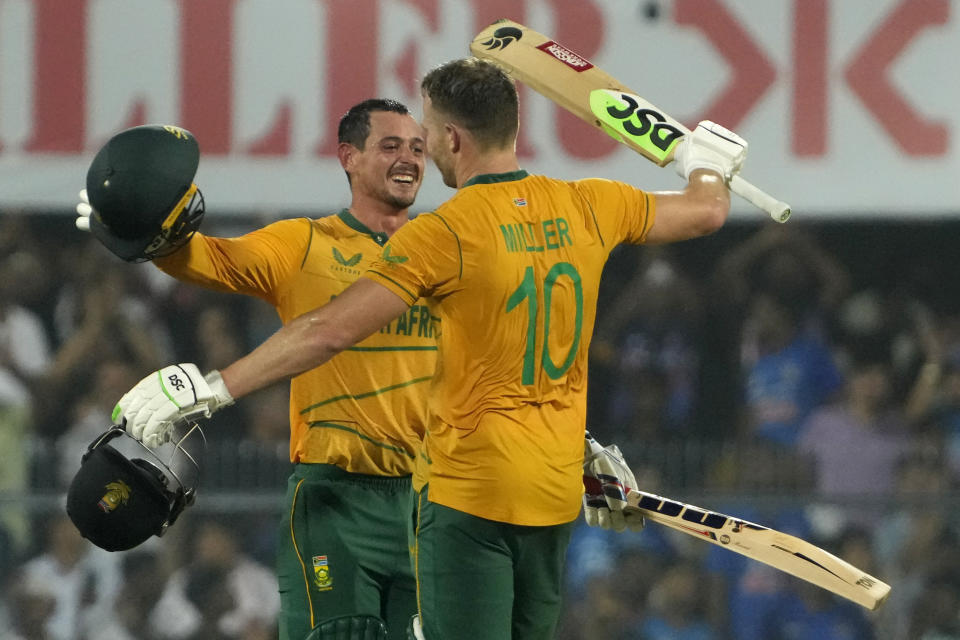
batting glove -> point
(712, 147)
(169, 398)
(84, 210)
(606, 479)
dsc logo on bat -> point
(621, 116)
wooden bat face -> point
(596, 97)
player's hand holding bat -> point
(606, 478)
(712, 147)
(168, 398)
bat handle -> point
(779, 211)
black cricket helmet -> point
(118, 501)
(140, 185)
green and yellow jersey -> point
(363, 411)
(511, 264)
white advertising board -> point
(851, 107)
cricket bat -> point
(779, 550)
(594, 96)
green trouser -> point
(343, 550)
(480, 579)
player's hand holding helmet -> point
(141, 202)
(712, 147)
(606, 478)
(169, 398)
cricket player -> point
(355, 424)
(511, 265)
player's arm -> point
(698, 210)
(179, 393)
(708, 158)
(315, 337)
(252, 264)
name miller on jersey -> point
(549, 234)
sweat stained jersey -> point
(511, 264)
(363, 410)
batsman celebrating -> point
(511, 265)
(355, 425)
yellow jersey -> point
(364, 410)
(511, 264)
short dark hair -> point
(478, 95)
(355, 123)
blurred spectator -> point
(935, 617)
(110, 379)
(81, 579)
(204, 590)
(24, 343)
(934, 400)
(101, 317)
(677, 606)
(788, 260)
(649, 339)
(744, 596)
(602, 613)
(250, 586)
(774, 294)
(218, 337)
(24, 358)
(916, 542)
(812, 613)
(857, 442)
(33, 603)
(142, 581)
(808, 612)
(790, 374)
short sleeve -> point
(422, 259)
(623, 212)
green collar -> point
(490, 178)
(348, 219)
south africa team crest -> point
(321, 573)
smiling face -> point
(390, 166)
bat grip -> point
(779, 211)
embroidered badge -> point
(321, 573)
(520, 202)
(117, 494)
(391, 258)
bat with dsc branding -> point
(592, 95)
(779, 550)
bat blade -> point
(594, 96)
(774, 548)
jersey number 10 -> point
(528, 291)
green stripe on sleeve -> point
(413, 296)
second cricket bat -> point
(769, 546)
(594, 96)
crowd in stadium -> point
(806, 378)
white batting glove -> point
(606, 478)
(712, 147)
(168, 398)
(84, 210)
